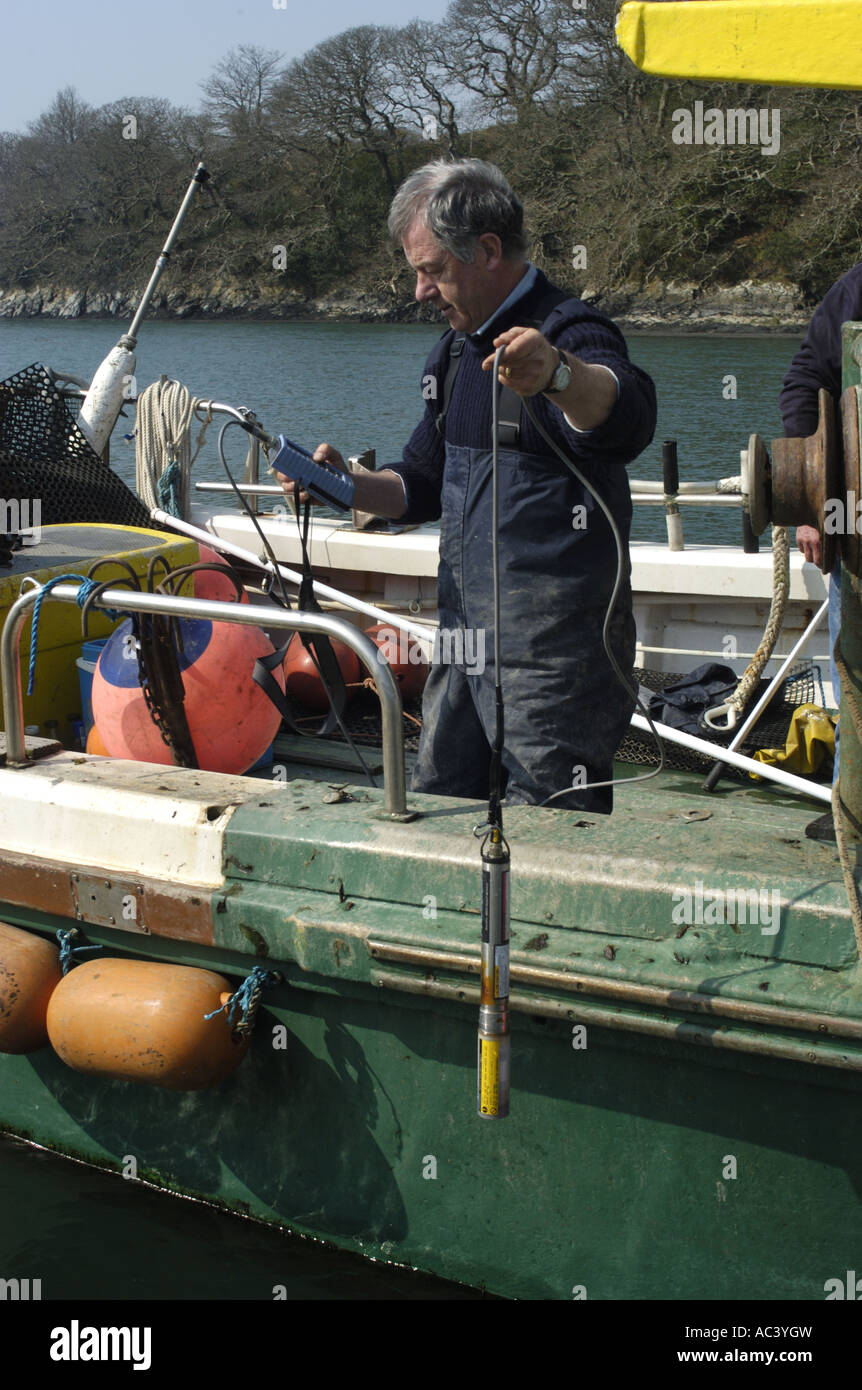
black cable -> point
(285, 597)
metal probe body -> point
(493, 1061)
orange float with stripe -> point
(302, 680)
(135, 1020)
(29, 974)
(209, 584)
(231, 721)
(404, 655)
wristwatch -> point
(561, 378)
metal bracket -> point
(107, 902)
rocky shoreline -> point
(675, 307)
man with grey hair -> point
(461, 228)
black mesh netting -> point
(803, 686)
(363, 722)
(44, 457)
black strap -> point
(511, 405)
(456, 357)
(319, 648)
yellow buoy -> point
(144, 1021)
(29, 974)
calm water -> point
(357, 385)
(353, 385)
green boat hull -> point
(652, 1151)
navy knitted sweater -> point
(818, 362)
(600, 453)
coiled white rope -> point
(733, 708)
(163, 445)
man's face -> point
(466, 292)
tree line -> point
(306, 154)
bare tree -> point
(67, 119)
(422, 85)
(238, 92)
(509, 53)
(339, 94)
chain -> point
(155, 710)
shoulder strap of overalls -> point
(509, 410)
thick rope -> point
(780, 591)
(163, 457)
(729, 484)
(848, 700)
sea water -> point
(358, 386)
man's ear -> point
(492, 249)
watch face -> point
(562, 376)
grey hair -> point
(460, 200)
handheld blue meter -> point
(325, 483)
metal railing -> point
(248, 615)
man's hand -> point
(324, 453)
(528, 363)
(380, 493)
(808, 541)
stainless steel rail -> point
(643, 499)
(247, 489)
(248, 615)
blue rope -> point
(87, 587)
(68, 951)
(247, 999)
(169, 489)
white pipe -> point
(692, 489)
(418, 630)
(674, 529)
(770, 689)
(724, 755)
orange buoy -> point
(211, 584)
(96, 745)
(29, 973)
(301, 678)
(231, 721)
(137, 1020)
(405, 656)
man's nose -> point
(425, 287)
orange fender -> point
(139, 1020)
(29, 974)
(404, 655)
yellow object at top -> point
(810, 740)
(799, 43)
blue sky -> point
(108, 49)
